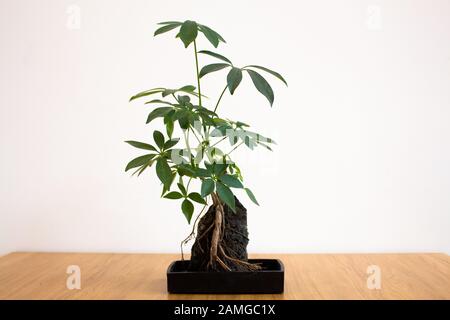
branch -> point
(234, 148)
(220, 98)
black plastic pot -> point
(270, 279)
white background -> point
(362, 162)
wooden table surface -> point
(143, 276)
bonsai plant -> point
(193, 159)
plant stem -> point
(198, 75)
(234, 148)
(220, 98)
(198, 83)
(218, 142)
(217, 104)
(193, 131)
(186, 139)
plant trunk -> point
(221, 241)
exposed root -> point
(222, 264)
(216, 236)
(249, 266)
(205, 232)
(211, 241)
(199, 237)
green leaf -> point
(197, 197)
(173, 195)
(168, 92)
(163, 172)
(184, 100)
(159, 138)
(158, 101)
(241, 124)
(188, 32)
(170, 22)
(207, 112)
(231, 181)
(234, 167)
(166, 187)
(141, 145)
(141, 169)
(170, 143)
(211, 35)
(251, 196)
(207, 188)
(215, 55)
(216, 33)
(185, 170)
(234, 78)
(219, 168)
(262, 85)
(209, 166)
(165, 29)
(200, 172)
(147, 93)
(182, 117)
(169, 124)
(192, 117)
(182, 189)
(276, 74)
(265, 146)
(139, 161)
(226, 195)
(188, 88)
(188, 209)
(212, 68)
(158, 113)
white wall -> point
(362, 163)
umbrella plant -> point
(197, 143)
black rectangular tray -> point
(269, 280)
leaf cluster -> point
(203, 156)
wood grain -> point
(143, 276)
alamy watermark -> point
(73, 21)
(374, 18)
(374, 278)
(208, 149)
(74, 279)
